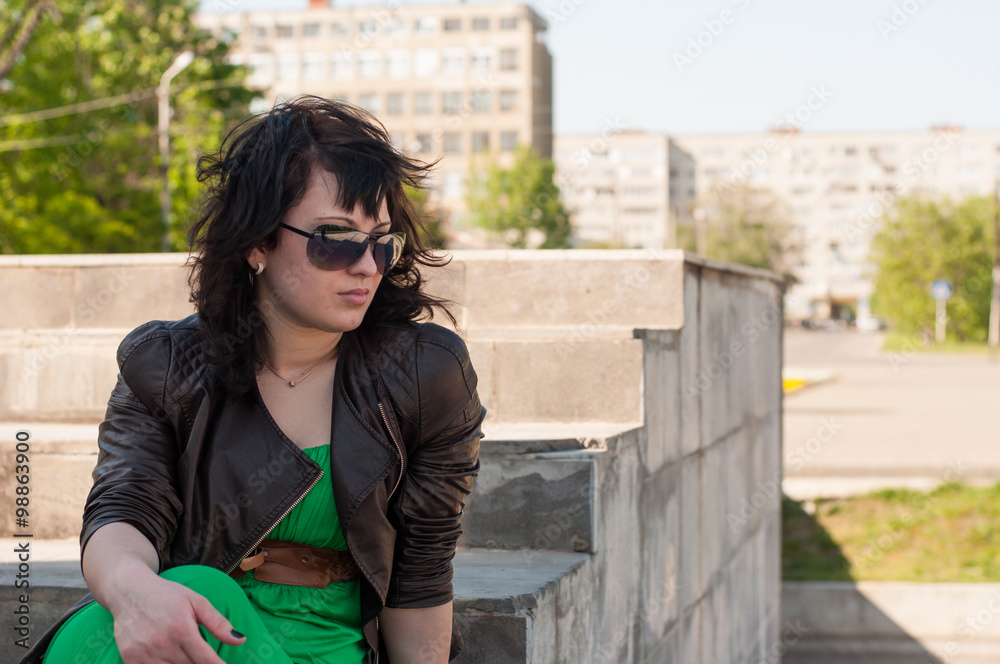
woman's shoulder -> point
(162, 359)
(406, 336)
(428, 354)
(157, 334)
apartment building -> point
(463, 83)
(616, 187)
(834, 186)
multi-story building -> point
(616, 188)
(449, 81)
(834, 186)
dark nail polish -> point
(237, 634)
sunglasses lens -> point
(329, 254)
(388, 249)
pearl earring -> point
(260, 269)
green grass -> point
(949, 534)
(896, 342)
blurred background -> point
(851, 147)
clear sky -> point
(863, 64)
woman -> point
(300, 432)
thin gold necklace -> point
(291, 383)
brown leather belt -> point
(294, 564)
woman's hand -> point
(155, 620)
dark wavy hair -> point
(259, 172)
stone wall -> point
(634, 418)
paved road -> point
(901, 415)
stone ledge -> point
(894, 619)
(499, 595)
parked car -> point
(869, 324)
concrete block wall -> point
(678, 357)
(683, 514)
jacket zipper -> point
(283, 515)
(399, 450)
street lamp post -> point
(995, 300)
(163, 131)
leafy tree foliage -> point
(90, 181)
(516, 202)
(923, 240)
(744, 225)
(432, 226)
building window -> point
(288, 67)
(260, 65)
(481, 60)
(314, 66)
(396, 26)
(310, 30)
(425, 62)
(368, 28)
(452, 24)
(508, 59)
(480, 141)
(398, 140)
(508, 141)
(369, 102)
(451, 102)
(480, 24)
(423, 103)
(423, 144)
(453, 61)
(508, 100)
(427, 25)
(395, 103)
(283, 30)
(369, 64)
(260, 31)
(482, 101)
(339, 29)
(508, 23)
(397, 63)
(452, 142)
(341, 66)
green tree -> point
(432, 228)
(513, 202)
(920, 241)
(90, 181)
(744, 225)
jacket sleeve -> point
(135, 479)
(438, 476)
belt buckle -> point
(253, 560)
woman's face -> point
(303, 296)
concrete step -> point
(884, 622)
(535, 479)
(67, 374)
(865, 651)
(61, 458)
(507, 599)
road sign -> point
(941, 290)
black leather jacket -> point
(205, 476)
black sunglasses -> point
(338, 247)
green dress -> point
(283, 624)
